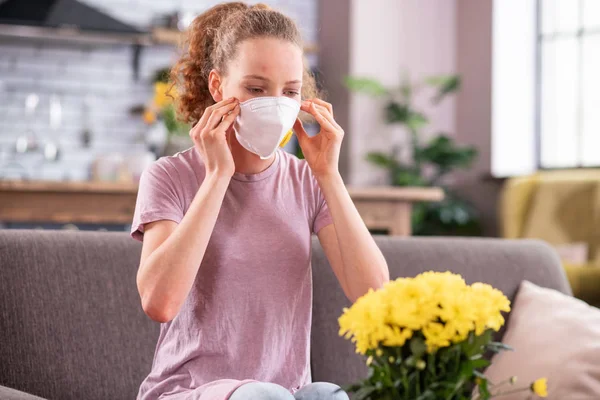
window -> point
(569, 83)
(545, 85)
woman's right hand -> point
(210, 137)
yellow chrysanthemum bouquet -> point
(427, 337)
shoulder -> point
(181, 168)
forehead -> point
(276, 59)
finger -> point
(217, 115)
(208, 111)
(325, 112)
(228, 120)
(306, 107)
(300, 131)
(325, 124)
(325, 104)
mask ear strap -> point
(286, 138)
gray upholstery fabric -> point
(501, 263)
(12, 394)
(71, 324)
(72, 327)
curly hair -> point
(211, 43)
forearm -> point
(364, 266)
(170, 271)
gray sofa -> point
(72, 328)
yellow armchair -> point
(562, 208)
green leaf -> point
(397, 113)
(299, 153)
(408, 177)
(381, 159)
(445, 84)
(416, 121)
(161, 75)
(444, 153)
(484, 392)
(365, 85)
(364, 393)
(427, 395)
(480, 363)
(475, 345)
(418, 347)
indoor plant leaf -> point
(381, 159)
(397, 113)
(365, 85)
(443, 152)
(416, 121)
(445, 84)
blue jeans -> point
(272, 391)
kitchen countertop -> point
(381, 207)
(75, 186)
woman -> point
(226, 225)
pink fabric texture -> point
(554, 336)
(248, 314)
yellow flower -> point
(370, 360)
(540, 387)
(379, 352)
(149, 117)
(440, 306)
(163, 95)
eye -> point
(292, 93)
(254, 90)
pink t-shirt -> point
(248, 314)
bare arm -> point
(172, 253)
(353, 254)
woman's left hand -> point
(322, 151)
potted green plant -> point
(162, 109)
(430, 161)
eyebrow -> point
(262, 78)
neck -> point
(246, 162)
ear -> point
(214, 85)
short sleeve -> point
(157, 199)
(322, 216)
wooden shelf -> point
(174, 37)
(166, 36)
(412, 194)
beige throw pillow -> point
(554, 336)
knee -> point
(261, 391)
(321, 391)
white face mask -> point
(264, 122)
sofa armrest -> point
(7, 393)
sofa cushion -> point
(554, 336)
(71, 322)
